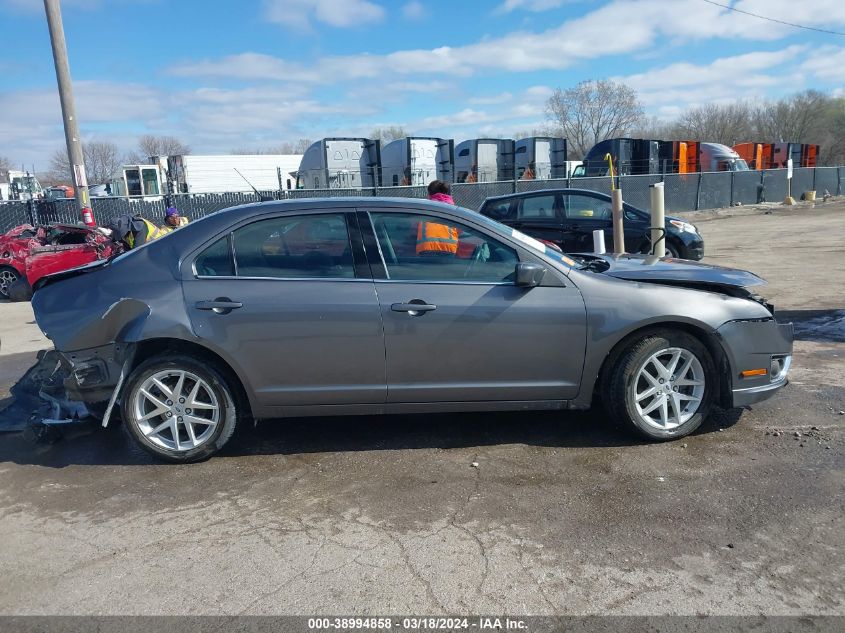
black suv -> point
(568, 217)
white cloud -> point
(413, 10)
(827, 63)
(635, 26)
(298, 14)
(535, 6)
(739, 77)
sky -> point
(227, 75)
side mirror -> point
(529, 275)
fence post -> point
(733, 173)
(838, 181)
(814, 179)
(698, 190)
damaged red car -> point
(28, 253)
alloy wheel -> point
(668, 388)
(176, 410)
(7, 278)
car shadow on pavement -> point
(88, 444)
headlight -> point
(683, 226)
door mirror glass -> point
(529, 275)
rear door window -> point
(216, 260)
(295, 247)
(539, 209)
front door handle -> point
(415, 307)
(221, 305)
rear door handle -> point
(221, 305)
(415, 307)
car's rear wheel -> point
(662, 386)
(178, 408)
(8, 276)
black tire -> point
(621, 381)
(20, 290)
(218, 435)
(8, 276)
(673, 250)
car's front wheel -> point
(8, 276)
(662, 386)
(178, 408)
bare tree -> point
(593, 111)
(149, 146)
(301, 145)
(102, 161)
(387, 134)
(795, 118)
(5, 166)
(657, 129)
(728, 124)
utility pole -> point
(74, 145)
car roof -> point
(567, 190)
(300, 204)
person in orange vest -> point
(528, 174)
(434, 238)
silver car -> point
(333, 307)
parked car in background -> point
(333, 307)
(568, 217)
(28, 253)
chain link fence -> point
(684, 192)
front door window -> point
(424, 247)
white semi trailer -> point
(416, 160)
(340, 163)
(224, 173)
(484, 160)
(543, 157)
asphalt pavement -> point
(517, 513)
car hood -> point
(651, 268)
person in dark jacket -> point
(133, 230)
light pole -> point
(74, 145)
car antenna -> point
(261, 196)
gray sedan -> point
(372, 306)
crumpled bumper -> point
(757, 344)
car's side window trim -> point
(231, 238)
(378, 267)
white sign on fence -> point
(789, 169)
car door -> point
(456, 327)
(541, 216)
(585, 213)
(290, 300)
